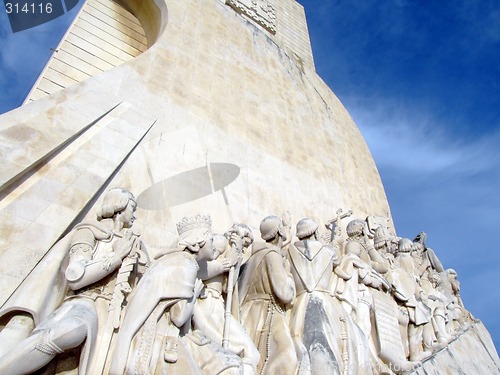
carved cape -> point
(170, 279)
(45, 287)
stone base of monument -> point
(456, 358)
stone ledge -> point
(456, 358)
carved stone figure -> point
(428, 253)
(357, 273)
(326, 338)
(407, 290)
(156, 335)
(459, 315)
(266, 287)
(429, 297)
(102, 258)
(211, 314)
(438, 303)
(382, 242)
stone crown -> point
(196, 222)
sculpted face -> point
(207, 251)
(128, 214)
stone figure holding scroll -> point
(266, 287)
(100, 265)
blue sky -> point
(24, 54)
(422, 81)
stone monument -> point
(198, 116)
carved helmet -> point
(306, 227)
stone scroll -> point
(386, 320)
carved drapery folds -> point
(356, 301)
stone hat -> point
(269, 227)
(306, 227)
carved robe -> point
(316, 318)
(149, 342)
(266, 287)
(210, 316)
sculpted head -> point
(306, 228)
(434, 278)
(220, 243)
(452, 274)
(418, 248)
(355, 228)
(271, 228)
(195, 236)
(243, 231)
(405, 246)
(381, 238)
(120, 205)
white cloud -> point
(411, 141)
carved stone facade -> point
(250, 131)
(284, 307)
(260, 11)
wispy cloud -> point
(445, 183)
(412, 141)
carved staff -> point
(230, 286)
(227, 316)
(333, 224)
(115, 305)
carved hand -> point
(198, 287)
(236, 242)
(225, 264)
(124, 245)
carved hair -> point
(242, 230)
(114, 202)
(306, 227)
(434, 277)
(405, 245)
(381, 237)
(355, 227)
(269, 227)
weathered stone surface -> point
(223, 114)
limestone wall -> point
(221, 120)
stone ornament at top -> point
(260, 11)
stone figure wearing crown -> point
(156, 335)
